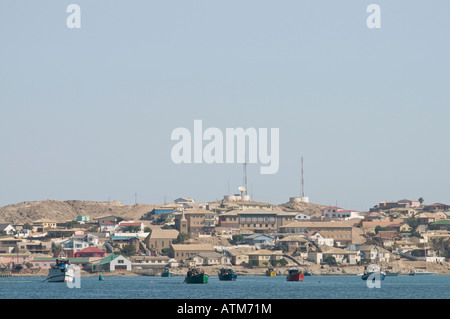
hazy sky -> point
(88, 113)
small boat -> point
(374, 272)
(167, 273)
(295, 275)
(227, 274)
(378, 275)
(100, 277)
(270, 272)
(391, 274)
(196, 276)
(62, 271)
(421, 272)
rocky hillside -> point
(314, 210)
(61, 211)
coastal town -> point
(403, 237)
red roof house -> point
(90, 252)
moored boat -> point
(376, 275)
(422, 272)
(227, 274)
(196, 276)
(391, 274)
(373, 272)
(167, 273)
(295, 275)
(270, 272)
(62, 271)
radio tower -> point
(245, 178)
(303, 182)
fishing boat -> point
(227, 274)
(167, 273)
(270, 272)
(62, 271)
(196, 276)
(373, 272)
(295, 275)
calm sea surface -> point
(258, 287)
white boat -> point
(422, 272)
(62, 271)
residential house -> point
(9, 242)
(437, 207)
(42, 225)
(122, 241)
(126, 226)
(7, 229)
(90, 252)
(302, 216)
(294, 243)
(113, 263)
(184, 252)
(239, 255)
(403, 245)
(320, 240)
(11, 259)
(387, 239)
(35, 247)
(108, 227)
(83, 219)
(73, 245)
(263, 257)
(111, 218)
(373, 253)
(63, 233)
(410, 203)
(339, 231)
(427, 218)
(333, 212)
(49, 262)
(150, 261)
(259, 240)
(342, 256)
(213, 259)
(405, 228)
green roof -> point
(72, 260)
(106, 260)
(441, 222)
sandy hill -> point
(314, 210)
(61, 211)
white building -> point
(337, 212)
(113, 263)
(7, 229)
(302, 216)
(320, 240)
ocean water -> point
(245, 287)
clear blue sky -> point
(87, 114)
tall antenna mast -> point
(245, 178)
(303, 182)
